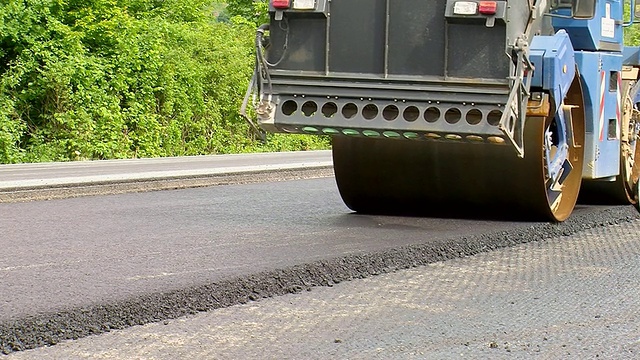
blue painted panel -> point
(556, 56)
(602, 143)
(536, 57)
(602, 32)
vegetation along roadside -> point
(104, 79)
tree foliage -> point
(631, 33)
(252, 10)
(101, 79)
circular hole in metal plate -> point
(411, 113)
(370, 111)
(493, 118)
(512, 122)
(474, 117)
(349, 110)
(330, 131)
(390, 112)
(432, 114)
(432, 136)
(309, 108)
(289, 107)
(350, 132)
(452, 115)
(411, 135)
(329, 109)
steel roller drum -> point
(462, 179)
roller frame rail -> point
(447, 107)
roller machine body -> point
(448, 108)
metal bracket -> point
(251, 91)
(566, 111)
(512, 121)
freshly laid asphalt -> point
(80, 266)
(569, 297)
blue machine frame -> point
(598, 45)
(602, 111)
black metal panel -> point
(306, 46)
(357, 36)
(413, 39)
(477, 51)
(417, 37)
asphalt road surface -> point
(76, 267)
(48, 175)
(45, 181)
(572, 297)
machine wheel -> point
(470, 180)
(630, 151)
(637, 197)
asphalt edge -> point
(50, 329)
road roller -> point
(518, 108)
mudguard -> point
(554, 60)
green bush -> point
(631, 33)
(254, 11)
(102, 79)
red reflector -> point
(280, 4)
(487, 7)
